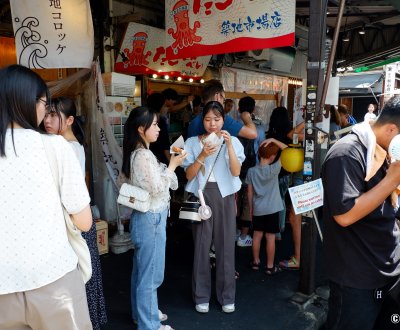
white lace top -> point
(151, 175)
(34, 248)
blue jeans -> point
(148, 237)
(351, 308)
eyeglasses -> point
(46, 104)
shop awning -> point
(360, 80)
(360, 83)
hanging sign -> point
(53, 34)
(203, 27)
(103, 132)
(307, 197)
(144, 52)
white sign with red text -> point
(144, 53)
(204, 27)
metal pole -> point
(312, 150)
(332, 55)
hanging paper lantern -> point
(292, 158)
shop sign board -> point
(53, 34)
(203, 27)
(144, 52)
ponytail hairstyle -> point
(67, 107)
(139, 117)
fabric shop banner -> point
(203, 27)
(53, 34)
(144, 53)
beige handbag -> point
(134, 197)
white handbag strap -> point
(212, 167)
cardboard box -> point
(102, 236)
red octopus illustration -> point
(137, 55)
(184, 35)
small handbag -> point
(189, 211)
(134, 197)
(75, 238)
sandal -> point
(254, 266)
(292, 263)
(272, 271)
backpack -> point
(250, 161)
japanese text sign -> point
(203, 27)
(53, 34)
(143, 47)
(307, 197)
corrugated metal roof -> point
(361, 80)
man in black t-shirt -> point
(361, 235)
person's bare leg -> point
(257, 236)
(270, 249)
(295, 222)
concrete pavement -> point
(262, 302)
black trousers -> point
(220, 229)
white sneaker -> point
(203, 308)
(247, 241)
(230, 308)
(163, 317)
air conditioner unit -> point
(260, 54)
(279, 59)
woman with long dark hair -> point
(62, 119)
(40, 284)
(147, 229)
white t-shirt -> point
(80, 154)
(369, 116)
(34, 248)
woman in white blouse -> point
(62, 119)
(40, 284)
(148, 229)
